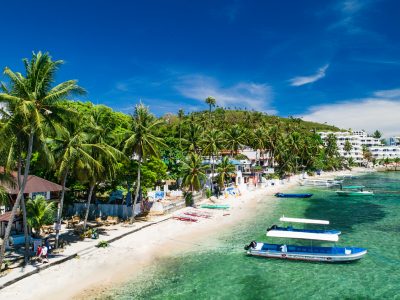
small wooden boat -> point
(282, 195)
(215, 206)
(304, 221)
(291, 229)
(320, 182)
(307, 253)
(354, 190)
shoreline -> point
(96, 271)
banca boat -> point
(320, 182)
(215, 206)
(282, 195)
(307, 253)
(303, 221)
(354, 190)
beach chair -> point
(111, 221)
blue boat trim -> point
(290, 228)
(282, 195)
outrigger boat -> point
(307, 253)
(303, 221)
(354, 190)
(320, 182)
(346, 176)
(282, 195)
(215, 206)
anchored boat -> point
(307, 253)
(303, 221)
(215, 206)
(282, 195)
(354, 190)
(320, 182)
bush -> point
(102, 244)
(208, 193)
(188, 198)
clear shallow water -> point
(224, 272)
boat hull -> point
(281, 195)
(215, 206)
(346, 194)
(356, 254)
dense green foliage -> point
(39, 213)
(93, 149)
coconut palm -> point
(235, 138)
(142, 142)
(259, 140)
(193, 136)
(225, 169)
(181, 115)
(39, 212)
(211, 102)
(73, 150)
(32, 100)
(194, 172)
(212, 142)
(108, 156)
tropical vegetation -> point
(92, 150)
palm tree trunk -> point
(60, 207)
(212, 174)
(88, 205)
(24, 220)
(19, 196)
(137, 189)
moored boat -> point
(354, 190)
(307, 253)
(320, 182)
(282, 195)
(215, 206)
(303, 221)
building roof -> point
(34, 184)
(6, 216)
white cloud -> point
(348, 10)
(395, 93)
(302, 80)
(251, 95)
(378, 112)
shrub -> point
(102, 244)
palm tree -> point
(39, 212)
(193, 135)
(33, 101)
(212, 142)
(181, 115)
(225, 169)
(234, 139)
(142, 142)
(194, 172)
(73, 150)
(348, 147)
(259, 140)
(108, 157)
(211, 102)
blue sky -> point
(328, 61)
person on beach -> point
(39, 253)
(43, 254)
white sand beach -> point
(99, 268)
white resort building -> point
(358, 140)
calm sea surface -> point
(222, 271)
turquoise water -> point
(224, 272)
